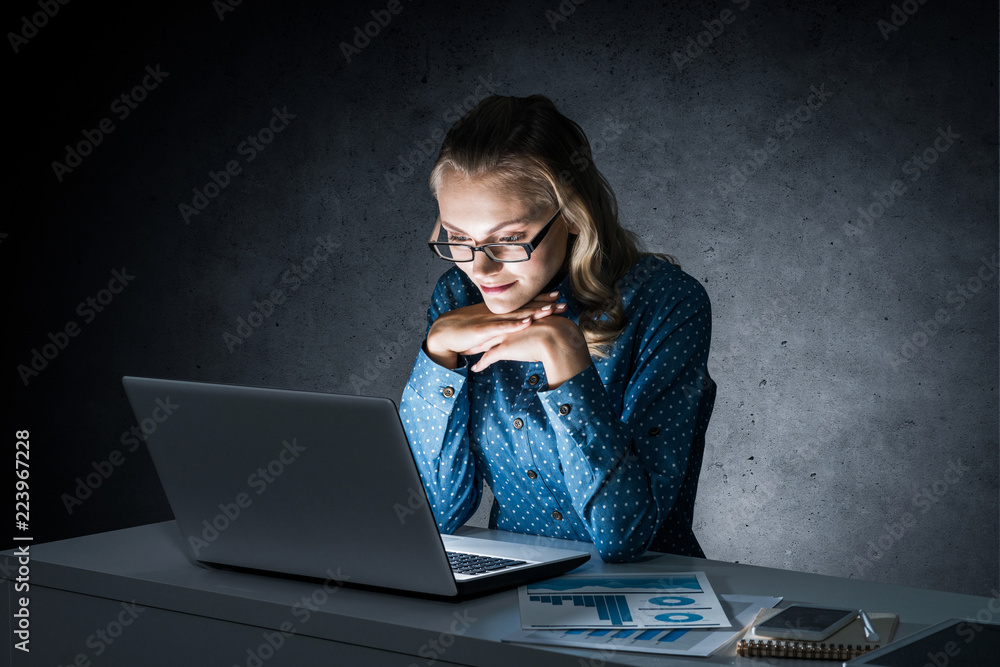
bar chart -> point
(665, 600)
(613, 608)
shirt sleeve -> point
(624, 465)
(434, 410)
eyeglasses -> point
(498, 252)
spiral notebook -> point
(847, 643)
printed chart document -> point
(697, 643)
(668, 600)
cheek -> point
(548, 263)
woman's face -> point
(475, 215)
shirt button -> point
(533, 380)
(654, 431)
(557, 515)
(518, 423)
(532, 474)
(564, 409)
(448, 392)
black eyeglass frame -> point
(529, 247)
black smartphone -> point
(805, 622)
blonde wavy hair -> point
(523, 147)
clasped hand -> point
(536, 332)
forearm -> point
(442, 357)
(434, 411)
(564, 354)
(611, 490)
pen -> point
(870, 633)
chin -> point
(501, 305)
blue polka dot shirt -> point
(611, 456)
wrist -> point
(445, 358)
(564, 359)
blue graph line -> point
(663, 583)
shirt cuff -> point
(436, 385)
(580, 406)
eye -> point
(457, 238)
(513, 238)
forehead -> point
(471, 205)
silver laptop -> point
(316, 485)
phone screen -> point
(805, 619)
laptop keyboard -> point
(476, 564)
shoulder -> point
(453, 290)
(653, 283)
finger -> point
(545, 311)
(529, 309)
(485, 361)
(543, 300)
(507, 326)
(497, 339)
(484, 346)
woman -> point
(561, 365)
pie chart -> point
(672, 601)
(679, 617)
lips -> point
(496, 289)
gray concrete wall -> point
(853, 434)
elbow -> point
(625, 542)
(451, 514)
(620, 552)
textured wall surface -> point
(827, 170)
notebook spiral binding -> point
(751, 648)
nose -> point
(483, 266)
